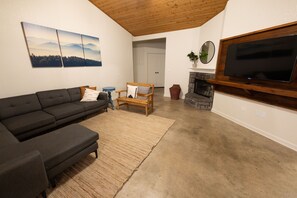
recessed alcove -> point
(278, 93)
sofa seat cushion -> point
(61, 144)
(91, 104)
(26, 122)
(64, 110)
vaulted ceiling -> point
(142, 17)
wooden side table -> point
(109, 90)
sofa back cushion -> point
(74, 93)
(53, 97)
(18, 105)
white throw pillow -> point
(90, 95)
(131, 91)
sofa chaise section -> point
(23, 116)
(59, 149)
(68, 145)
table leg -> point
(110, 100)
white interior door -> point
(156, 69)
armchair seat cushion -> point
(29, 121)
(91, 104)
(133, 100)
(64, 110)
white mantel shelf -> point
(203, 70)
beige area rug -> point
(126, 139)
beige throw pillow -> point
(90, 95)
(82, 90)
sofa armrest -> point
(23, 176)
(103, 96)
(6, 137)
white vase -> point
(194, 64)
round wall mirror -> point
(206, 52)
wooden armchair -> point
(145, 100)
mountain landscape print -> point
(71, 49)
(91, 50)
(43, 46)
(50, 47)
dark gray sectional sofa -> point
(29, 115)
(30, 155)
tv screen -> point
(269, 59)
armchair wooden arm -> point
(149, 96)
(120, 91)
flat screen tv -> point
(270, 59)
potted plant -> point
(193, 57)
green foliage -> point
(46, 61)
(203, 55)
(73, 61)
(55, 61)
(90, 62)
(193, 56)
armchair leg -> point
(118, 105)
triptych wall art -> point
(49, 47)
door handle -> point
(156, 72)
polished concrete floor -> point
(205, 155)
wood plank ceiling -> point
(142, 17)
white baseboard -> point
(257, 130)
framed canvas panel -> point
(43, 46)
(92, 51)
(71, 49)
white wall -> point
(242, 16)
(177, 64)
(140, 51)
(16, 73)
(212, 31)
